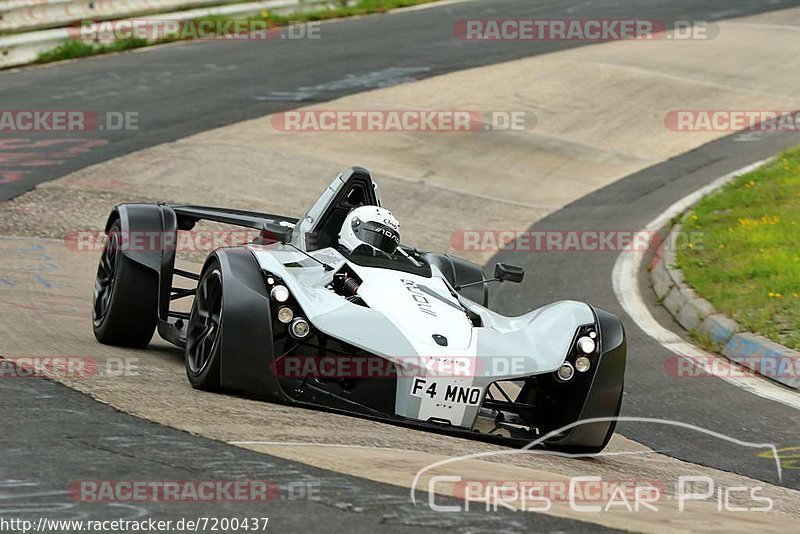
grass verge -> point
(749, 264)
(74, 48)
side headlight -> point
(299, 328)
(565, 372)
(279, 294)
(582, 364)
(285, 315)
(586, 345)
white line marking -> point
(626, 287)
(687, 79)
(764, 25)
(430, 5)
(304, 444)
(549, 208)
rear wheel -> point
(204, 334)
(125, 303)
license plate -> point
(442, 391)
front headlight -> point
(285, 315)
(299, 329)
(582, 364)
(279, 293)
(586, 345)
(565, 372)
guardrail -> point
(5, 5)
(24, 47)
(56, 13)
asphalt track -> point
(95, 441)
(186, 88)
(175, 101)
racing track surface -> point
(94, 439)
(627, 204)
(187, 88)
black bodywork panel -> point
(459, 272)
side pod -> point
(604, 397)
(247, 347)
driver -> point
(370, 230)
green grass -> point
(73, 48)
(69, 50)
(749, 264)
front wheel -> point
(204, 333)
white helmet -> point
(370, 226)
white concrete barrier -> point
(57, 13)
(24, 48)
(6, 5)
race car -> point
(332, 311)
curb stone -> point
(765, 357)
(719, 328)
(697, 315)
(662, 282)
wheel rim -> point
(204, 324)
(104, 282)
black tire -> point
(125, 302)
(204, 333)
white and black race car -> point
(305, 315)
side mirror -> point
(509, 273)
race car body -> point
(293, 317)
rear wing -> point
(277, 227)
(320, 226)
(165, 221)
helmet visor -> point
(379, 236)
